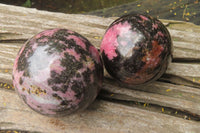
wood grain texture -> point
(177, 89)
(101, 116)
(162, 94)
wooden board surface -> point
(171, 104)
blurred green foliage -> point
(27, 3)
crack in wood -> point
(186, 60)
(112, 97)
(15, 131)
(13, 41)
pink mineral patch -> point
(78, 41)
(70, 96)
(43, 40)
(73, 53)
(55, 66)
(48, 33)
(109, 42)
(70, 32)
(143, 18)
(95, 54)
(155, 26)
(160, 34)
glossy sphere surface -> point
(58, 72)
(136, 49)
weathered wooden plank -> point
(29, 20)
(93, 29)
(158, 95)
(18, 24)
(161, 88)
(183, 74)
(176, 69)
(184, 69)
(186, 51)
(101, 116)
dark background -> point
(184, 10)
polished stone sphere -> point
(58, 72)
(136, 49)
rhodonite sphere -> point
(58, 72)
(136, 49)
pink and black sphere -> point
(136, 49)
(58, 72)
